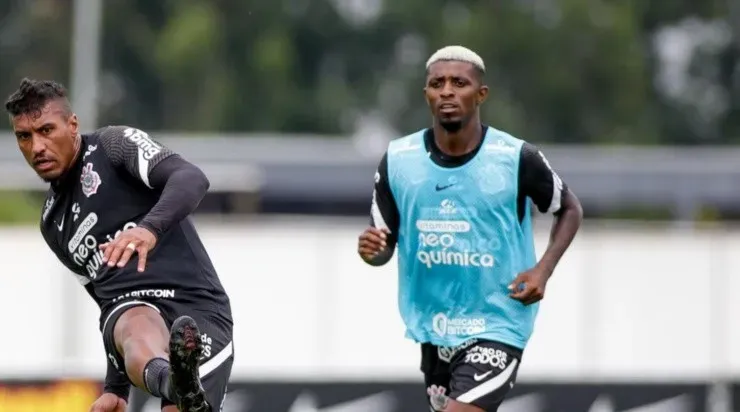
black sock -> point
(157, 379)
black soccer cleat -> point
(185, 351)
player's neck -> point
(460, 142)
(78, 150)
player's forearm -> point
(183, 190)
(564, 228)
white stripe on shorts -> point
(217, 360)
(125, 304)
(489, 386)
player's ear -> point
(74, 124)
(482, 94)
(426, 97)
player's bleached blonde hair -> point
(459, 54)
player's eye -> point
(436, 83)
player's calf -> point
(140, 335)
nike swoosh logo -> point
(482, 376)
(61, 224)
(438, 187)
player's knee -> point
(140, 325)
(440, 402)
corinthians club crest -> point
(90, 180)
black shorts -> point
(477, 372)
(216, 332)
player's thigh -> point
(119, 320)
(483, 375)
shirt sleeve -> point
(539, 182)
(183, 185)
(384, 211)
(133, 150)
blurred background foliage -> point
(566, 71)
(600, 72)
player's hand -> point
(108, 402)
(371, 242)
(135, 240)
(529, 286)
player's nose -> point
(38, 146)
(447, 91)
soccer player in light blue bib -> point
(455, 200)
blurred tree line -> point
(570, 71)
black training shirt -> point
(122, 179)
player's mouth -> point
(447, 108)
(43, 165)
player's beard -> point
(451, 126)
(51, 180)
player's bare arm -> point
(376, 244)
(565, 225)
(543, 185)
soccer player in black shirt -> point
(116, 214)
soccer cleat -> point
(185, 351)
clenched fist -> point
(371, 242)
(529, 286)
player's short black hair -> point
(33, 95)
